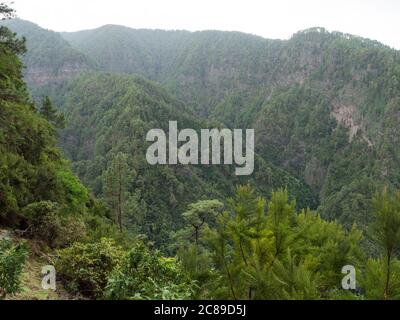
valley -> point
(82, 113)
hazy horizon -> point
(376, 20)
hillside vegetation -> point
(324, 107)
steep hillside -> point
(48, 218)
(325, 108)
(49, 59)
(110, 114)
(119, 49)
(33, 169)
(324, 105)
(200, 67)
(336, 128)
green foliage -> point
(376, 278)
(28, 156)
(47, 223)
(75, 194)
(200, 214)
(386, 228)
(12, 259)
(383, 275)
(144, 274)
(294, 280)
(278, 253)
(116, 180)
(114, 132)
(325, 109)
(9, 40)
(33, 172)
(324, 106)
(50, 113)
(48, 51)
(196, 265)
(85, 267)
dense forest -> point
(76, 191)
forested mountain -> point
(201, 67)
(115, 118)
(323, 104)
(325, 109)
(33, 169)
(44, 208)
(49, 59)
(119, 49)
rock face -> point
(41, 76)
(50, 59)
(344, 114)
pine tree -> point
(386, 233)
(116, 180)
(281, 217)
(51, 114)
(200, 213)
(241, 242)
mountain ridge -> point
(323, 104)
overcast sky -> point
(374, 19)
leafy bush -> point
(99, 227)
(76, 195)
(85, 267)
(48, 224)
(144, 274)
(12, 259)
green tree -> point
(8, 38)
(386, 233)
(10, 41)
(200, 213)
(116, 181)
(49, 112)
(279, 253)
(240, 242)
(376, 278)
(281, 218)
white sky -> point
(374, 19)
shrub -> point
(76, 195)
(144, 274)
(12, 259)
(48, 224)
(101, 227)
(85, 267)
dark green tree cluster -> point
(268, 250)
(107, 145)
(260, 249)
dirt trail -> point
(31, 281)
